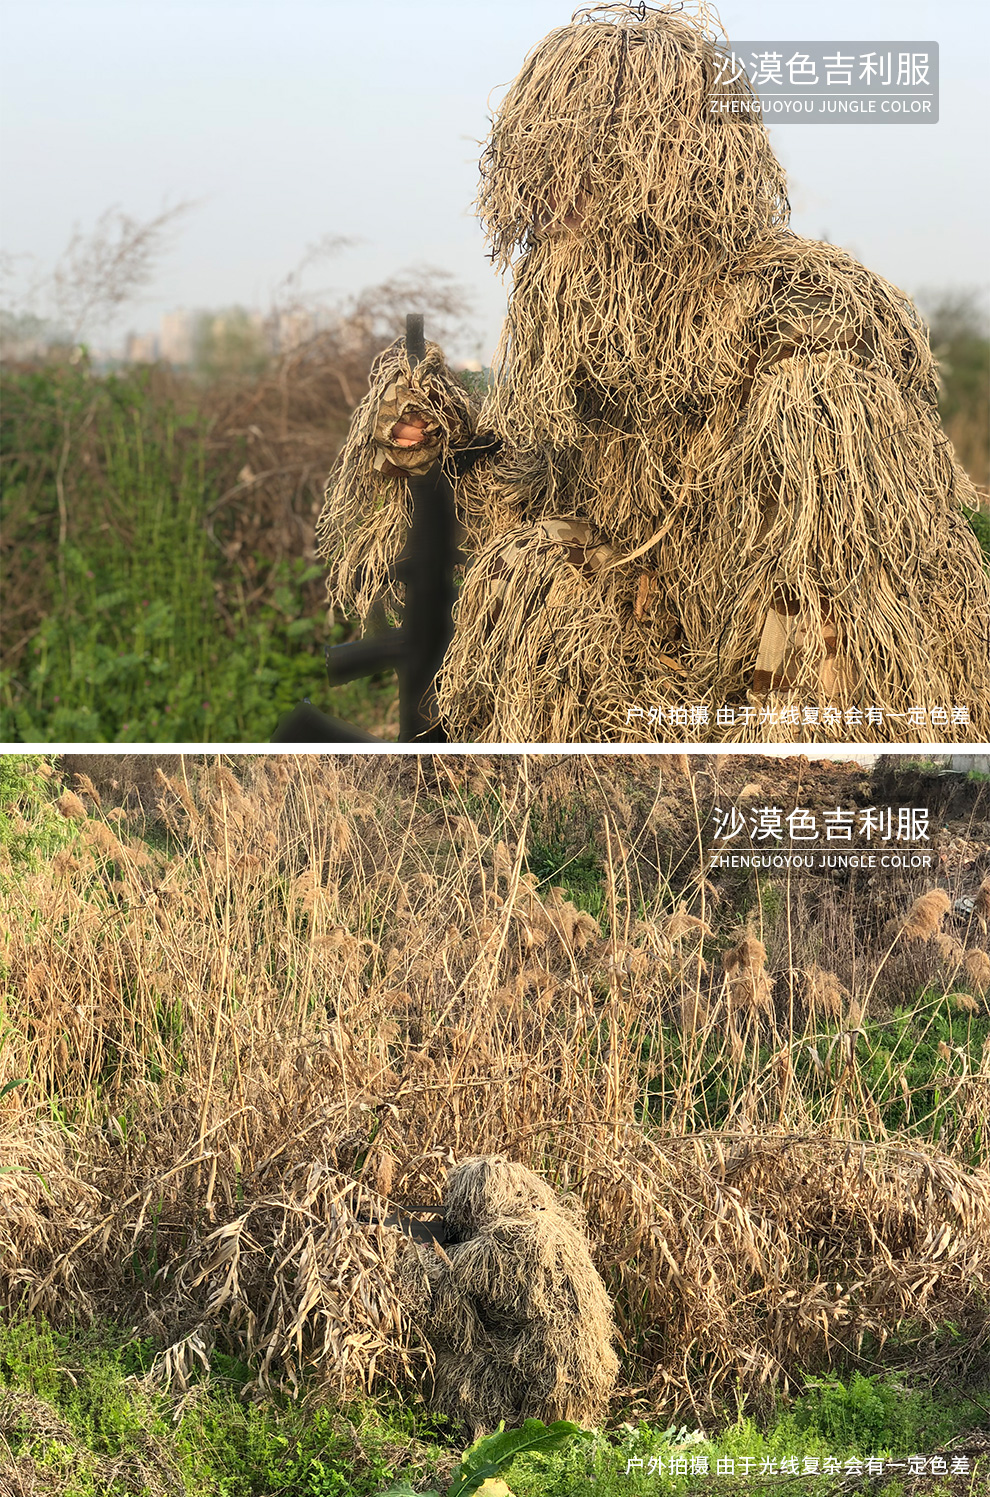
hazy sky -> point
(292, 119)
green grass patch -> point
(143, 639)
(933, 1107)
(31, 829)
(77, 1403)
(563, 850)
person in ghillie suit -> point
(518, 1318)
(712, 477)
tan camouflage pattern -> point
(518, 569)
(399, 401)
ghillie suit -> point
(721, 488)
(513, 1306)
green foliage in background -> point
(979, 519)
(31, 829)
(563, 850)
(960, 336)
(914, 1086)
(229, 344)
(134, 647)
(872, 1413)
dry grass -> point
(748, 985)
(981, 904)
(923, 921)
(149, 1469)
(347, 982)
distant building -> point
(176, 336)
(141, 348)
(970, 763)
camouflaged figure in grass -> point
(513, 1307)
(720, 478)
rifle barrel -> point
(415, 338)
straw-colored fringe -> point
(518, 1317)
(363, 523)
(747, 416)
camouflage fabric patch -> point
(400, 400)
(782, 644)
(523, 563)
(811, 321)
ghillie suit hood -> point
(516, 1313)
(617, 199)
(736, 428)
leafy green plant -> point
(873, 1414)
(31, 827)
(563, 850)
(491, 1454)
(135, 644)
(477, 381)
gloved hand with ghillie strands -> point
(419, 414)
(407, 437)
(409, 430)
(412, 417)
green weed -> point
(139, 642)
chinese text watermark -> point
(877, 82)
(699, 715)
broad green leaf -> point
(488, 1456)
(9, 1086)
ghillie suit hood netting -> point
(516, 1313)
(721, 489)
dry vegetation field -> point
(247, 1003)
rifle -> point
(416, 649)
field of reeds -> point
(250, 1004)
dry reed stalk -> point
(295, 1281)
(749, 987)
(976, 965)
(823, 992)
(981, 904)
(694, 1013)
(923, 920)
(43, 1201)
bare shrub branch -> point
(99, 272)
